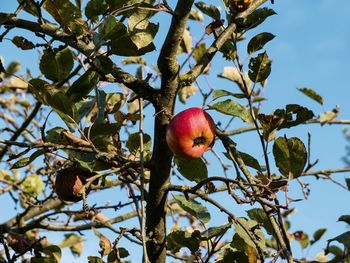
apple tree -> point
(74, 127)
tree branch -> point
(140, 87)
(22, 128)
(167, 60)
(162, 156)
(198, 69)
(312, 121)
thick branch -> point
(167, 61)
(162, 156)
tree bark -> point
(162, 156)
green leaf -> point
(83, 86)
(56, 64)
(244, 225)
(139, 38)
(101, 104)
(194, 208)
(345, 218)
(123, 253)
(12, 68)
(347, 181)
(232, 74)
(215, 231)
(229, 50)
(84, 107)
(92, 259)
(312, 94)
(42, 260)
(134, 60)
(53, 252)
(179, 239)
(23, 43)
(125, 47)
(27, 160)
(196, 15)
(293, 115)
(111, 28)
(193, 170)
(33, 185)
(250, 161)
(257, 17)
(318, 235)
(134, 146)
(104, 64)
(290, 156)
(142, 38)
(101, 134)
(199, 51)
(186, 43)
(302, 238)
(94, 8)
(259, 41)
(210, 10)
(29, 7)
(66, 14)
(230, 107)
(259, 68)
(259, 215)
(55, 136)
(218, 93)
(115, 101)
(74, 242)
(186, 92)
(64, 107)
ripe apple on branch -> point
(190, 133)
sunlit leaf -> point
(312, 94)
(259, 68)
(210, 10)
(83, 86)
(259, 215)
(257, 17)
(232, 108)
(56, 64)
(302, 238)
(194, 208)
(33, 185)
(27, 160)
(95, 8)
(215, 231)
(290, 156)
(259, 41)
(53, 252)
(193, 170)
(318, 235)
(23, 43)
(179, 239)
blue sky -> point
(311, 49)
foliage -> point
(87, 109)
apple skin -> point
(190, 133)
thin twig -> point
(142, 180)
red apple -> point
(190, 133)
